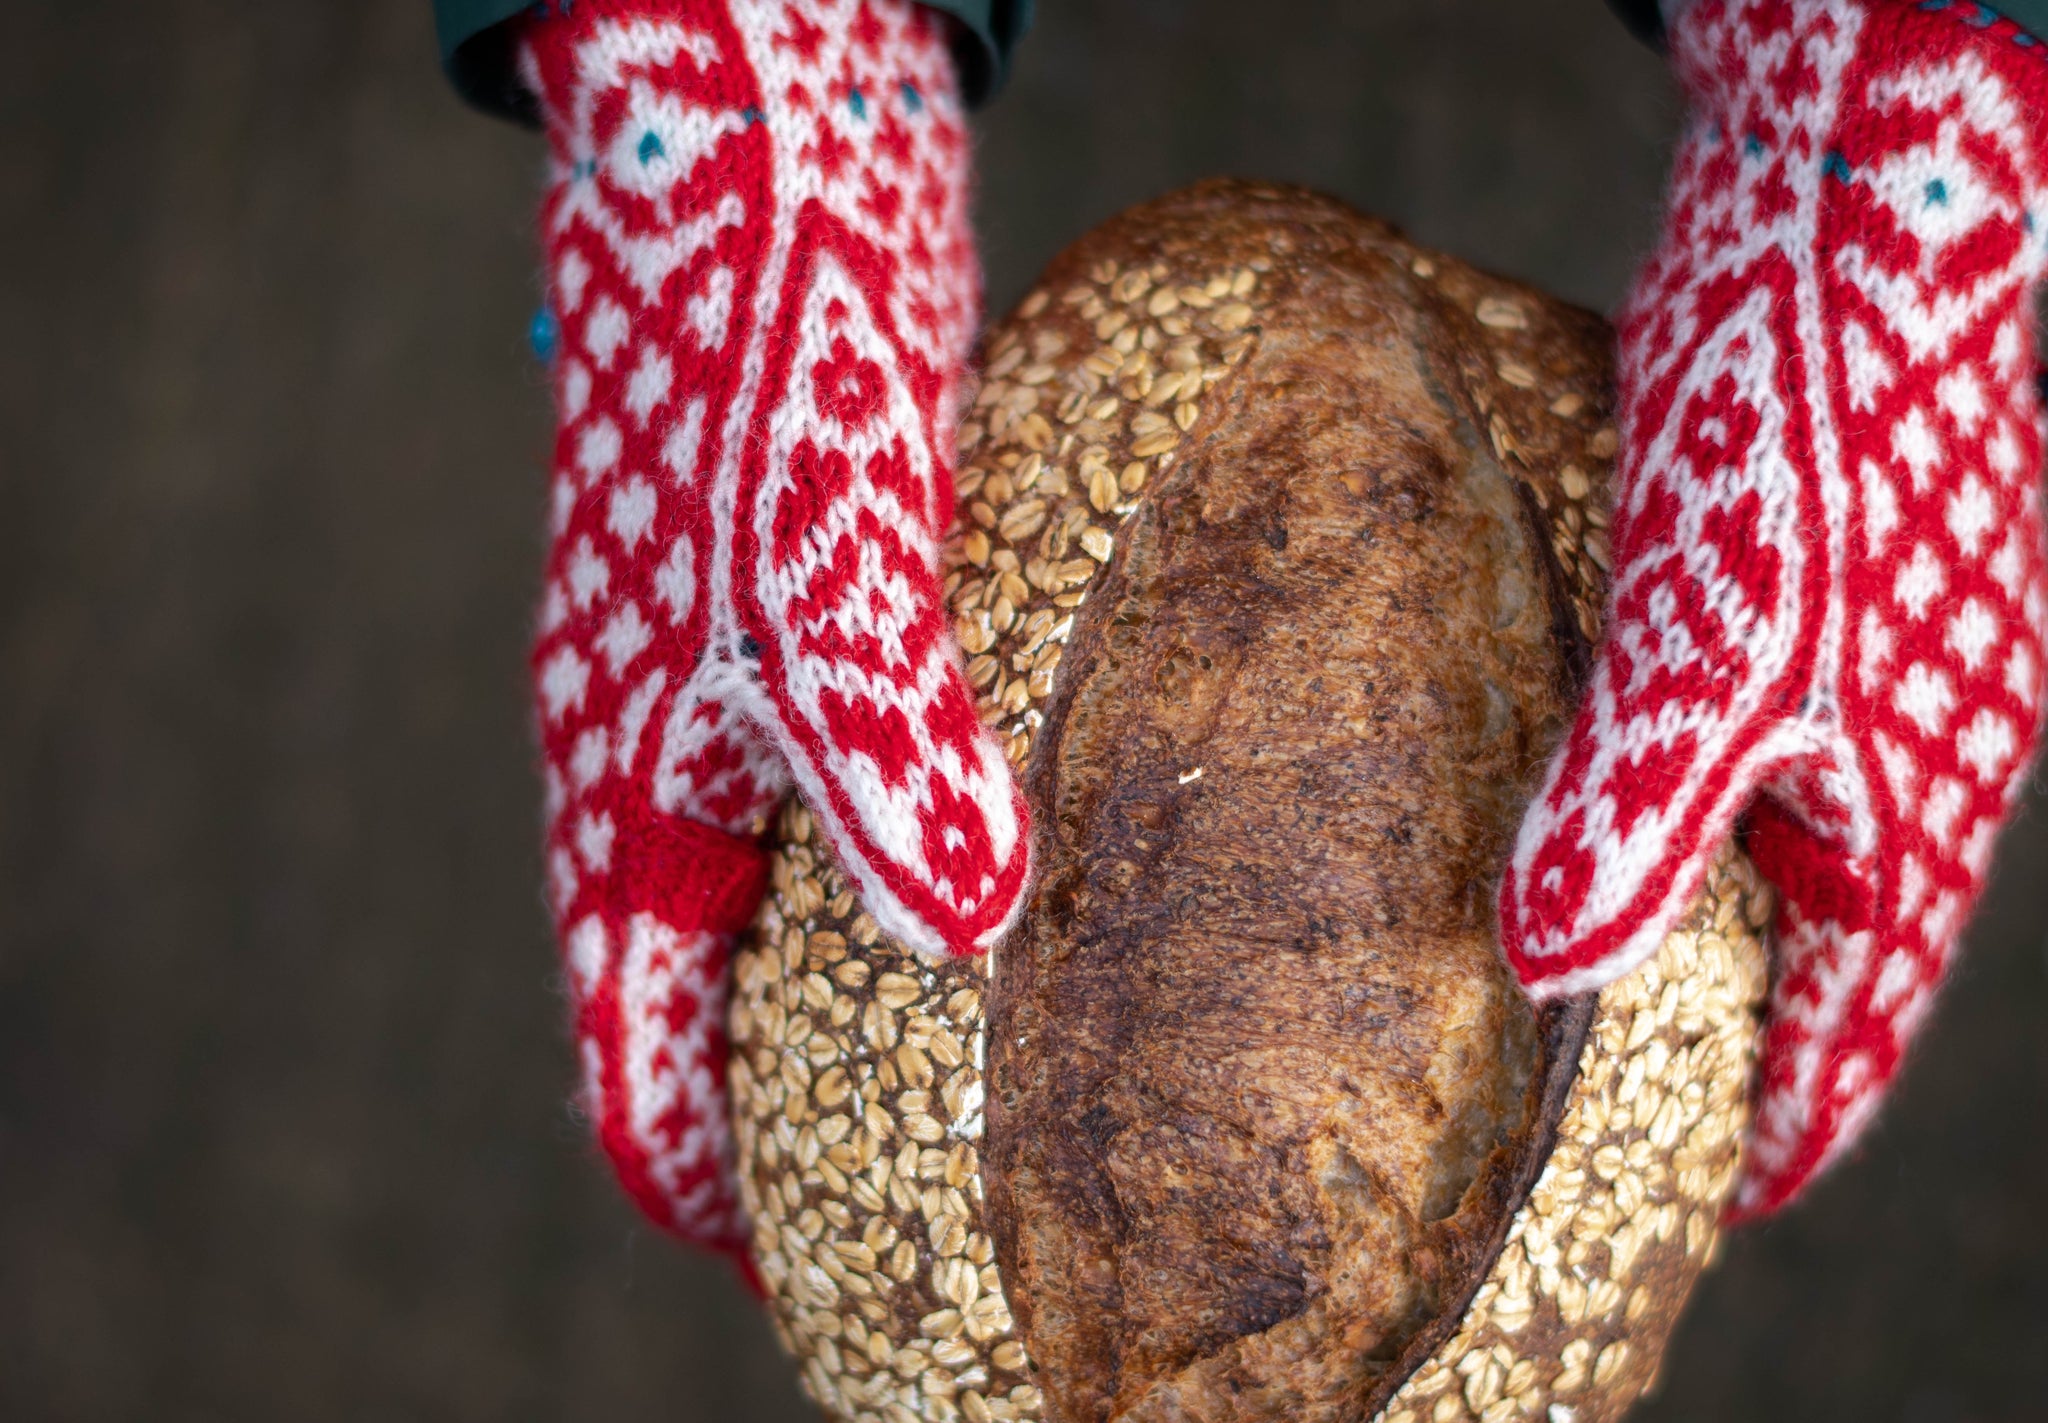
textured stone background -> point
(281, 1072)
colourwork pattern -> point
(761, 289)
(1828, 607)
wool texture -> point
(1828, 608)
(761, 289)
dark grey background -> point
(282, 1132)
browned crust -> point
(1337, 543)
(1563, 1028)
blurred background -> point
(283, 1123)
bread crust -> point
(1265, 1094)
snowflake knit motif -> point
(762, 285)
(1828, 608)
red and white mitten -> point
(1828, 600)
(763, 284)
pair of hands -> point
(1827, 610)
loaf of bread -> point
(1281, 561)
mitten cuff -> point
(691, 876)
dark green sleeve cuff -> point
(1644, 20)
(476, 49)
(476, 53)
(2029, 15)
(993, 30)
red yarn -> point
(764, 283)
(1828, 540)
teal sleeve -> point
(1643, 18)
(992, 29)
(2029, 15)
(476, 49)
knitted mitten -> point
(1828, 597)
(762, 284)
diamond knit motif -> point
(1828, 610)
(847, 493)
(762, 285)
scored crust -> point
(1269, 1112)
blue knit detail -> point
(650, 147)
(1837, 167)
(544, 333)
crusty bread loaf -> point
(1281, 563)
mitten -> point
(761, 285)
(1827, 608)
